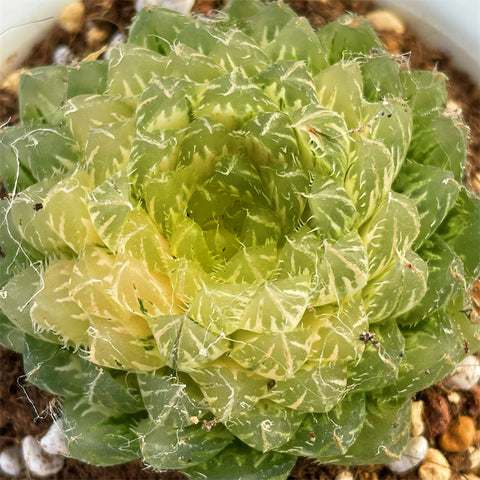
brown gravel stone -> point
(459, 435)
(437, 414)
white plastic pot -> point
(452, 25)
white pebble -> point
(53, 441)
(11, 461)
(474, 458)
(116, 39)
(414, 453)
(39, 462)
(344, 475)
(182, 6)
(466, 375)
(62, 55)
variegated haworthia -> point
(237, 241)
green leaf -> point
(381, 76)
(389, 122)
(85, 112)
(369, 177)
(349, 35)
(335, 330)
(433, 190)
(177, 448)
(99, 436)
(41, 94)
(268, 22)
(16, 299)
(10, 336)
(184, 345)
(228, 388)
(87, 77)
(127, 58)
(333, 213)
(343, 270)
(322, 435)
(166, 103)
(250, 265)
(277, 305)
(171, 399)
(432, 350)
(440, 140)
(316, 387)
(240, 462)
(157, 28)
(391, 231)
(289, 84)
(187, 63)
(340, 88)
(53, 308)
(272, 355)
(384, 435)
(232, 100)
(397, 289)
(381, 359)
(445, 279)
(461, 231)
(266, 425)
(61, 371)
(297, 41)
(21, 163)
(424, 90)
(152, 154)
(323, 141)
(237, 51)
(107, 150)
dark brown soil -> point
(24, 410)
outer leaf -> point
(384, 434)
(322, 435)
(265, 426)
(461, 231)
(171, 400)
(239, 462)
(381, 359)
(178, 448)
(97, 435)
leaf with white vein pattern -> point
(266, 425)
(272, 355)
(343, 270)
(391, 230)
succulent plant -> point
(237, 241)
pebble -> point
(11, 461)
(413, 455)
(435, 466)
(474, 458)
(344, 475)
(72, 17)
(53, 442)
(466, 375)
(182, 6)
(39, 462)
(386, 21)
(95, 36)
(12, 81)
(459, 435)
(62, 55)
(417, 426)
